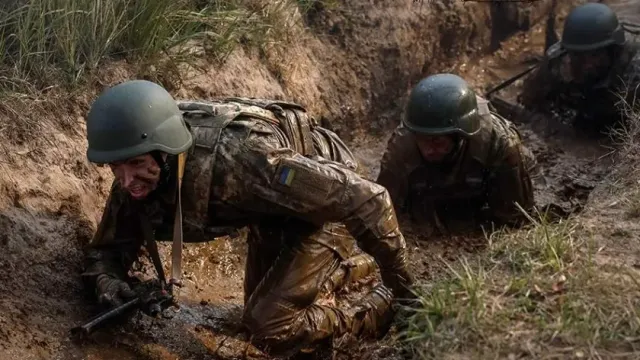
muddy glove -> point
(112, 292)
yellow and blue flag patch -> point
(286, 176)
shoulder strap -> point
(176, 249)
(207, 120)
(291, 117)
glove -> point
(112, 292)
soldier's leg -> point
(282, 314)
(265, 241)
(264, 245)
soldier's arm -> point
(510, 183)
(536, 88)
(115, 244)
(543, 85)
(282, 182)
(392, 172)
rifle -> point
(151, 300)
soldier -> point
(256, 163)
(451, 157)
(600, 67)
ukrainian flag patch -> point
(286, 176)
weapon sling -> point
(176, 249)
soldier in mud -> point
(602, 67)
(257, 163)
(452, 165)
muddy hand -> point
(112, 292)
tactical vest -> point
(207, 120)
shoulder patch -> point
(299, 178)
(286, 176)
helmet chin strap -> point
(165, 168)
(458, 141)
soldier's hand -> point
(112, 291)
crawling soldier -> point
(452, 161)
(256, 163)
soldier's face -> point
(589, 66)
(434, 148)
(139, 175)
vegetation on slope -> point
(59, 42)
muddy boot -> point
(351, 270)
(373, 314)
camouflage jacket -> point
(247, 164)
(491, 169)
(550, 86)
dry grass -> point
(536, 293)
(50, 42)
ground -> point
(352, 66)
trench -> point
(211, 303)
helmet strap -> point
(458, 142)
(165, 168)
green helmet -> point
(134, 118)
(591, 26)
(442, 104)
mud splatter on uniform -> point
(489, 174)
(265, 165)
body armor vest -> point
(207, 120)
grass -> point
(51, 42)
(541, 292)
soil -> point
(352, 67)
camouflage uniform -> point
(596, 106)
(266, 165)
(491, 169)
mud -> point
(381, 49)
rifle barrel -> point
(88, 328)
(511, 80)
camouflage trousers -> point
(288, 267)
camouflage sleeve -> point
(392, 172)
(264, 179)
(510, 182)
(116, 242)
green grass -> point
(536, 293)
(51, 42)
